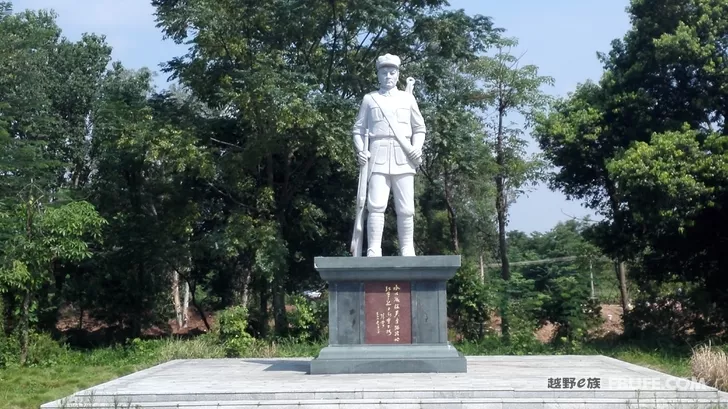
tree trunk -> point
(264, 312)
(482, 268)
(452, 218)
(591, 280)
(501, 206)
(176, 299)
(24, 329)
(186, 306)
(621, 270)
(620, 267)
(198, 307)
(279, 309)
(243, 296)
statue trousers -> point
(402, 188)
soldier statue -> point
(388, 134)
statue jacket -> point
(388, 157)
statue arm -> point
(361, 125)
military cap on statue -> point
(388, 60)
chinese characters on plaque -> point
(388, 313)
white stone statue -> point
(388, 134)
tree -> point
(561, 267)
(289, 76)
(509, 89)
(47, 85)
(677, 186)
(660, 93)
(42, 235)
(147, 176)
(578, 137)
(455, 157)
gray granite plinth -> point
(389, 359)
(417, 344)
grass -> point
(711, 364)
(25, 388)
(70, 371)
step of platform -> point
(471, 403)
(379, 394)
(491, 382)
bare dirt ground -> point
(91, 331)
(612, 325)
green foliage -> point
(470, 303)
(308, 319)
(567, 301)
(45, 351)
(9, 350)
(525, 305)
(233, 326)
(645, 147)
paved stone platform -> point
(492, 382)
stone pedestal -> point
(388, 315)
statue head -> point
(388, 71)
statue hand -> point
(416, 156)
(362, 157)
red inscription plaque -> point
(388, 312)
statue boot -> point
(405, 233)
(375, 229)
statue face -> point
(388, 77)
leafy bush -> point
(43, 350)
(673, 311)
(524, 308)
(233, 324)
(567, 302)
(9, 350)
(308, 319)
(470, 303)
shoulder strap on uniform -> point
(406, 145)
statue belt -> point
(383, 137)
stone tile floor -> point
(491, 382)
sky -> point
(561, 37)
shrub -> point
(673, 312)
(711, 365)
(308, 319)
(233, 324)
(566, 300)
(470, 303)
(43, 350)
(9, 350)
(524, 308)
